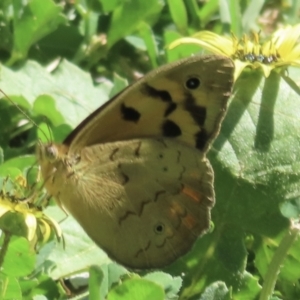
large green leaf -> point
(256, 164)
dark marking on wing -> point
(143, 250)
(171, 107)
(165, 240)
(161, 95)
(182, 172)
(160, 156)
(197, 112)
(170, 129)
(152, 92)
(157, 194)
(162, 142)
(137, 149)
(162, 244)
(201, 139)
(111, 157)
(125, 177)
(142, 206)
(126, 215)
(129, 113)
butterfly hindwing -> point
(141, 198)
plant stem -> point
(277, 261)
(3, 250)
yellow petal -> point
(239, 67)
(266, 69)
(5, 206)
(30, 221)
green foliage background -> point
(63, 59)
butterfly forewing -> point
(164, 104)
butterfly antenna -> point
(23, 112)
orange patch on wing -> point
(189, 221)
(191, 193)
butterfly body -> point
(134, 174)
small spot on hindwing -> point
(129, 113)
(170, 129)
(159, 228)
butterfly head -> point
(50, 155)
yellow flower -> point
(21, 216)
(280, 50)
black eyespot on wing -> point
(129, 113)
(159, 228)
(192, 83)
(170, 129)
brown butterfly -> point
(134, 173)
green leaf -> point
(128, 17)
(109, 5)
(32, 22)
(19, 259)
(75, 94)
(120, 84)
(79, 252)
(9, 288)
(179, 15)
(216, 291)
(19, 163)
(255, 160)
(178, 52)
(170, 284)
(148, 36)
(103, 278)
(29, 81)
(137, 289)
(46, 286)
(95, 281)
(71, 88)
(45, 105)
(207, 11)
(251, 14)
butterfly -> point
(134, 173)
